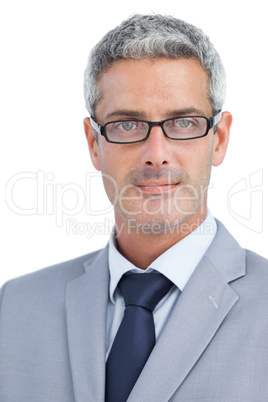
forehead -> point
(153, 85)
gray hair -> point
(152, 37)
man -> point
(154, 88)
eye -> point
(183, 123)
(127, 125)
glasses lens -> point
(127, 131)
(186, 127)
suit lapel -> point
(86, 306)
(195, 319)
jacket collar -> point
(86, 306)
(195, 319)
(204, 303)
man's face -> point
(158, 183)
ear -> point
(92, 143)
(221, 138)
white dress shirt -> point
(177, 264)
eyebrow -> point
(185, 112)
(125, 113)
(141, 115)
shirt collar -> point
(177, 263)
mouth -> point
(157, 187)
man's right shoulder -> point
(54, 277)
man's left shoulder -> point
(254, 258)
(256, 265)
(253, 285)
(243, 268)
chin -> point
(153, 225)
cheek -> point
(113, 171)
(106, 156)
(197, 162)
(117, 160)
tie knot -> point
(144, 290)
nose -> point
(156, 149)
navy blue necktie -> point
(135, 337)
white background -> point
(44, 49)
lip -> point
(157, 186)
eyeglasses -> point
(178, 128)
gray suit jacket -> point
(214, 347)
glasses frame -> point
(211, 122)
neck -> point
(142, 244)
